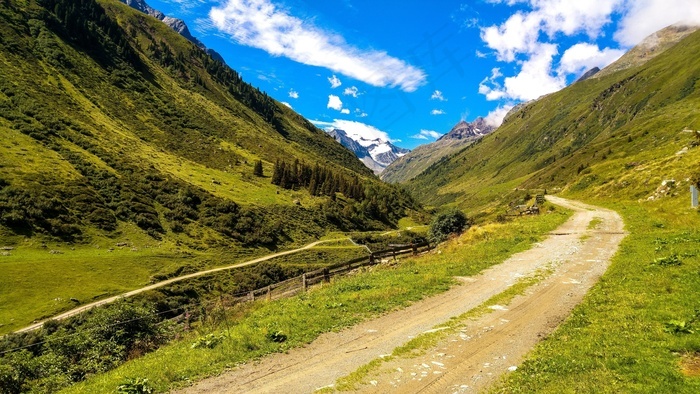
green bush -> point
(135, 386)
(448, 223)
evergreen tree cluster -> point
(84, 22)
(318, 180)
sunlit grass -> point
(344, 302)
(624, 337)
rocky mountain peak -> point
(465, 130)
(174, 23)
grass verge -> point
(254, 330)
(635, 329)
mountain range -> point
(460, 136)
(376, 153)
(621, 132)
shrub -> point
(448, 223)
(135, 386)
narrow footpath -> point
(110, 300)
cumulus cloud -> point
(354, 128)
(534, 79)
(583, 56)
(437, 95)
(262, 24)
(644, 17)
(495, 117)
(351, 91)
(519, 34)
(293, 94)
(287, 104)
(427, 134)
(437, 112)
(334, 102)
(345, 111)
(335, 82)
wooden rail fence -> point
(299, 284)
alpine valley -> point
(136, 167)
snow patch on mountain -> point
(376, 154)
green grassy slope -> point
(613, 136)
(610, 141)
(418, 160)
(109, 116)
(117, 130)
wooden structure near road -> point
(299, 284)
(524, 209)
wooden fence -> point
(299, 284)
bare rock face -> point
(174, 23)
(465, 130)
(588, 74)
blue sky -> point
(409, 70)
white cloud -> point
(287, 104)
(431, 133)
(528, 38)
(360, 113)
(495, 117)
(345, 111)
(583, 56)
(437, 112)
(427, 134)
(519, 34)
(335, 81)
(293, 94)
(534, 79)
(334, 102)
(644, 17)
(354, 128)
(261, 24)
(351, 91)
(437, 95)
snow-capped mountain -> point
(374, 153)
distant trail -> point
(464, 362)
(109, 300)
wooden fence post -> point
(252, 295)
(393, 253)
(371, 258)
(415, 249)
(326, 275)
(303, 281)
(269, 293)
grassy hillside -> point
(418, 160)
(617, 136)
(129, 153)
(622, 141)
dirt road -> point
(109, 300)
(465, 362)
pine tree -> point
(277, 173)
(258, 168)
